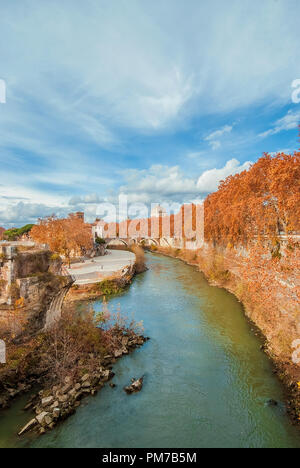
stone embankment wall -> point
(29, 281)
(180, 243)
(16, 263)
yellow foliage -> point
(19, 302)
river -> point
(207, 382)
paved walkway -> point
(98, 268)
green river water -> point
(206, 380)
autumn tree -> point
(263, 201)
(67, 237)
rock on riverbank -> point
(57, 403)
(136, 386)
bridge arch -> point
(148, 241)
(117, 242)
(165, 242)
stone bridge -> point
(174, 242)
(143, 241)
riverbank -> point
(71, 361)
(114, 284)
(23, 369)
(287, 372)
(207, 383)
(55, 404)
(107, 275)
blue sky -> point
(159, 100)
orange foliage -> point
(263, 201)
(64, 236)
(273, 281)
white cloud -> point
(289, 122)
(214, 137)
(218, 133)
(164, 183)
(158, 184)
(160, 110)
(209, 180)
(21, 205)
(18, 214)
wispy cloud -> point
(283, 150)
(288, 122)
(214, 137)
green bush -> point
(13, 234)
(100, 241)
(108, 287)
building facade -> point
(98, 229)
(158, 212)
